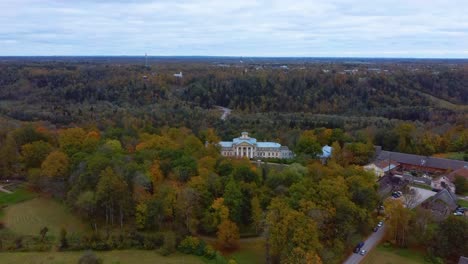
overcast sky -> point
(315, 28)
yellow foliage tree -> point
(55, 165)
(228, 234)
(156, 175)
(71, 140)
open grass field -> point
(249, 252)
(383, 255)
(28, 217)
(19, 195)
(108, 257)
(462, 203)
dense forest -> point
(271, 101)
(133, 151)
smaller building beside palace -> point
(245, 146)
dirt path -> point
(2, 189)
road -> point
(375, 238)
(226, 112)
(369, 244)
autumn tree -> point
(290, 233)
(398, 224)
(56, 165)
(156, 175)
(112, 194)
(187, 208)
(257, 213)
(33, 154)
(308, 144)
(71, 140)
(228, 234)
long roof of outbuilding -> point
(425, 161)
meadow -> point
(114, 257)
(389, 255)
(27, 218)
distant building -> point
(441, 205)
(326, 152)
(178, 75)
(410, 162)
(443, 183)
(245, 146)
(381, 167)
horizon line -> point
(240, 56)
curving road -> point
(369, 244)
(226, 112)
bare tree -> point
(411, 198)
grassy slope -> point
(17, 196)
(124, 256)
(383, 255)
(249, 252)
(29, 217)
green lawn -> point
(17, 196)
(28, 217)
(462, 203)
(423, 186)
(249, 252)
(108, 257)
(383, 255)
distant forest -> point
(274, 99)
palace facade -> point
(245, 146)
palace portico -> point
(245, 146)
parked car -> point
(458, 213)
(380, 224)
(362, 252)
(376, 229)
(358, 247)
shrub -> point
(210, 253)
(189, 245)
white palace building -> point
(246, 146)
